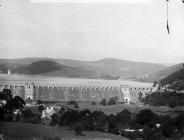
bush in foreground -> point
(112, 100)
(103, 102)
(145, 117)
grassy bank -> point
(27, 131)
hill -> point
(161, 74)
(116, 67)
(175, 80)
(169, 70)
(108, 66)
(51, 68)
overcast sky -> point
(132, 31)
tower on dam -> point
(29, 90)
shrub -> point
(85, 113)
(78, 131)
(172, 104)
(165, 99)
(6, 94)
(18, 102)
(2, 112)
(93, 103)
(123, 116)
(35, 119)
(40, 108)
(112, 101)
(145, 117)
(70, 117)
(27, 113)
(179, 123)
(55, 119)
(8, 117)
(71, 102)
(148, 134)
(99, 121)
(76, 105)
(103, 102)
(167, 126)
(39, 102)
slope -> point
(51, 68)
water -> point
(43, 80)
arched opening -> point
(127, 101)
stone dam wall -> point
(77, 93)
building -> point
(48, 112)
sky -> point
(91, 30)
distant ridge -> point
(109, 67)
(52, 68)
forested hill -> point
(174, 80)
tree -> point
(6, 95)
(112, 101)
(70, 117)
(103, 102)
(40, 108)
(27, 113)
(55, 119)
(123, 116)
(93, 103)
(76, 105)
(18, 102)
(179, 122)
(99, 121)
(140, 95)
(155, 83)
(144, 117)
(85, 113)
(39, 102)
(167, 126)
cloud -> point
(92, 31)
(92, 1)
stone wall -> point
(77, 93)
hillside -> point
(52, 68)
(156, 76)
(175, 80)
(108, 66)
(116, 67)
(169, 70)
(13, 131)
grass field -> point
(27, 131)
(113, 109)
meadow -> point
(28, 131)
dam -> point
(67, 89)
(124, 93)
